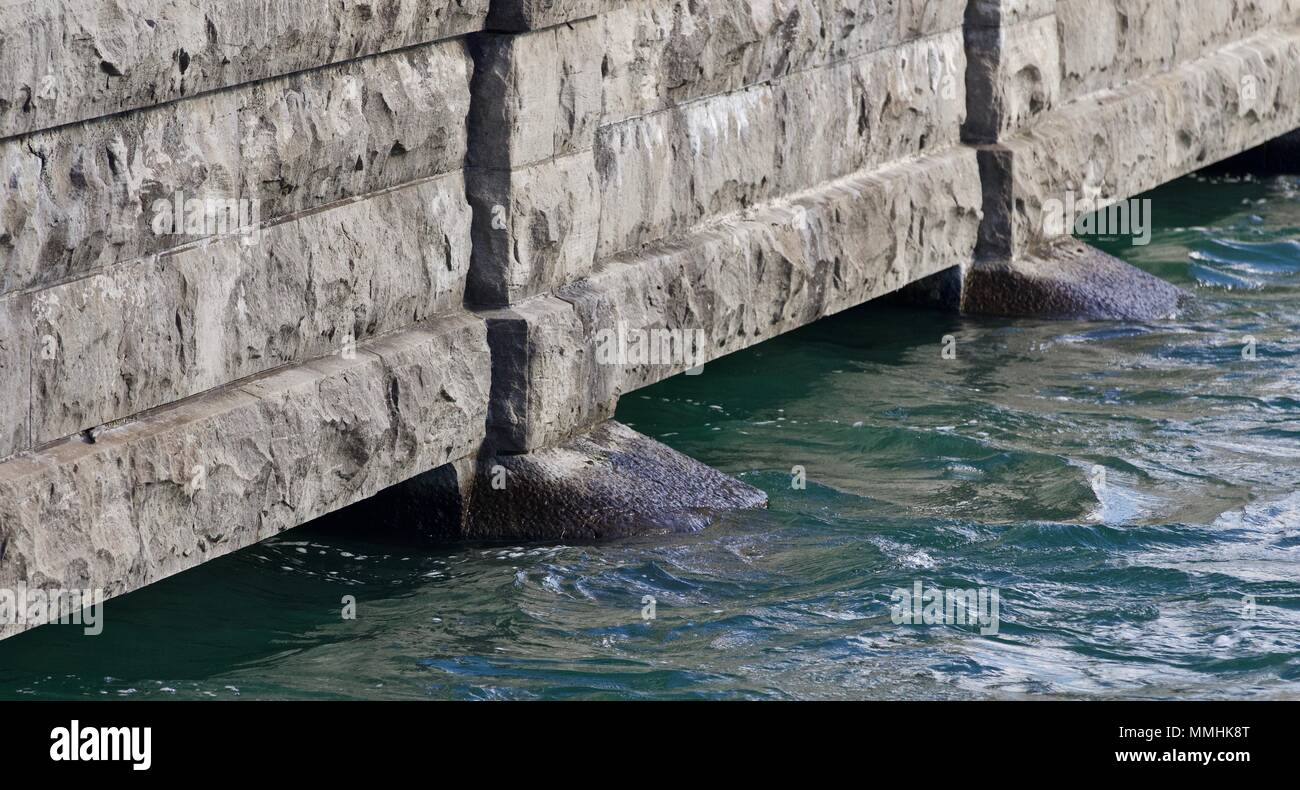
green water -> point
(980, 471)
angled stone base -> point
(1068, 280)
(611, 482)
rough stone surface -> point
(1013, 74)
(147, 333)
(1116, 144)
(663, 173)
(1068, 280)
(1107, 43)
(16, 351)
(735, 283)
(611, 482)
(71, 60)
(541, 365)
(661, 53)
(536, 95)
(534, 228)
(82, 197)
(218, 472)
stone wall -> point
(1105, 99)
(177, 381)
(433, 230)
(725, 171)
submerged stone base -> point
(1068, 280)
(611, 482)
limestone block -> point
(151, 332)
(541, 367)
(641, 194)
(71, 60)
(609, 482)
(662, 53)
(1102, 149)
(16, 349)
(1014, 74)
(310, 438)
(82, 197)
(870, 111)
(1068, 280)
(1116, 144)
(1238, 98)
(664, 173)
(215, 473)
(666, 310)
(67, 520)
(1107, 43)
(534, 228)
(775, 267)
(536, 95)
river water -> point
(1130, 491)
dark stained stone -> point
(1069, 280)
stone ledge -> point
(70, 60)
(1117, 144)
(610, 482)
(212, 474)
(149, 332)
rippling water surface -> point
(976, 472)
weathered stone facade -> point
(729, 170)
(234, 247)
(419, 222)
